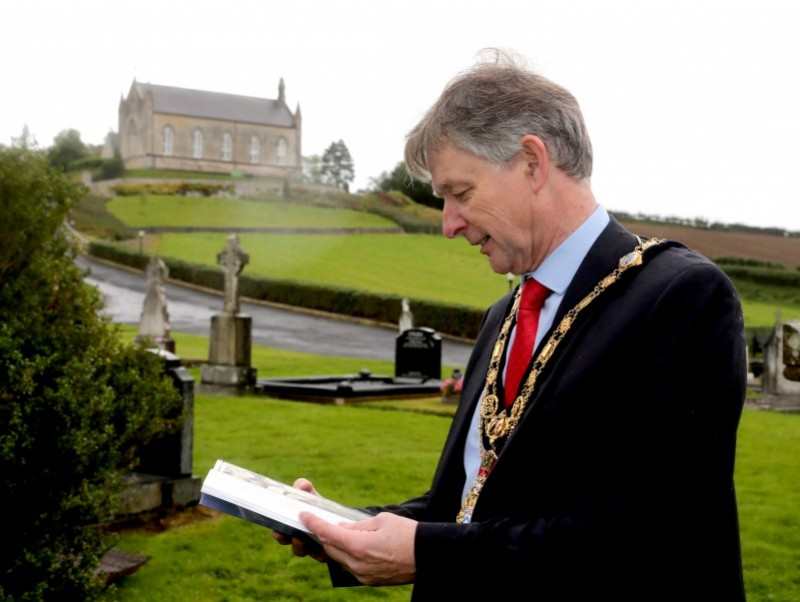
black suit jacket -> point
(618, 482)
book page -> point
(272, 498)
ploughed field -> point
(715, 244)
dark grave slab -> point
(418, 354)
(348, 388)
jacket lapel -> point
(614, 242)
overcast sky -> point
(692, 105)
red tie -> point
(533, 295)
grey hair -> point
(486, 111)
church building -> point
(162, 127)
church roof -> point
(216, 105)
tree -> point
(312, 170)
(337, 165)
(398, 179)
(26, 140)
(76, 403)
(67, 147)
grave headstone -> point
(780, 374)
(418, 354)
(154, 321)
(232, 259)
(231, 332)
(163, 477)
(406, 317)
(171, 455)
(791, 350)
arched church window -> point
(197, 144)
(283, 147)
(255, 149)
(168, 141)
(227, 147)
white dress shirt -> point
(555, 272)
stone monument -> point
(406, 321)
(782, 359)
(231, 332)
(791, 350)
(154, 321)
(418, 354)
(164, 477)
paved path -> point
(190, 312)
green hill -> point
(423, 267)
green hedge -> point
(172, 188)
(764, 275)
(455, 320)
(748, 261)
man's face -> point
(491, 207)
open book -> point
(267, 502)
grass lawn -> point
(160, 210)
(377, 453)
(761, 314)
(768, 490)
(409, 265)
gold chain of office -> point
(495, 422)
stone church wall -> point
(141, 143)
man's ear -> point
(535, 156)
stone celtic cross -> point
(232, 259)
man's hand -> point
(378, 551)
(302, 546)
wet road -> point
(190, 312)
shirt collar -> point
(558, 268)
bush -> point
(110, 169)
(409, 215)
(77, 403)
(91, 163)
(172, 188)
(398, 179)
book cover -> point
(267, 502)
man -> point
(610, 473)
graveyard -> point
(380, 448)
(385, 450)
(330, 389)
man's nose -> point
(452, 223)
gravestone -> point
(171, 455)
(418, 354)
(406, 317)
(791, 350)
(154, 321)
(231, 332)
(232, 259)
(163, 478)
(781, 371)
